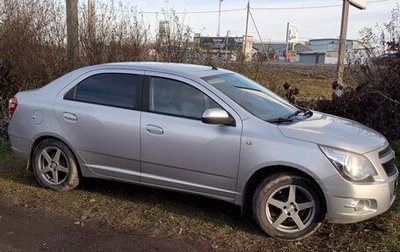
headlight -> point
(351, 166)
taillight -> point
(12, 106)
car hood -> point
(334, 131)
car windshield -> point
(253, 97)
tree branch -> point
(381, 94)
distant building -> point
(315, 57)
(332, 44)
(248, 48)
(225, 47)
(314, 51)
(277, 51)
(164, 30)
(326, 51)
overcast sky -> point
(313, 22)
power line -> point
(255, 26)
(181, 12)
(242, 9)
(311, 7)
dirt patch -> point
(24, 229)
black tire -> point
(285, 217)
(54, 166)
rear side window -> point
(111, 89)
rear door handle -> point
(154, 129)
(70, 117)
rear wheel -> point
(288, 207)
(54, 165)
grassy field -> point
(312, 81)
(188, 218)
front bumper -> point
(349, 202)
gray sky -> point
(271, 23)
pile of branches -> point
(375, 101)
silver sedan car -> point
(207, 131)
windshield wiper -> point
(285, 119)
(306, 112)
(296, 113)
(289, 118)
(281, 120)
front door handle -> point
(70, 117)
(154, 129)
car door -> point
(178, 150)
(100, 115)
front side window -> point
(173, 97)
(111, 89)
(251, 96)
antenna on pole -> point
(219, 17)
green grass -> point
(189, 218)
(311, 85)
(4, 146)
(309, 88)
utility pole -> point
(287, 42)
(337, 89)
(362, 5)
(91, 22)
(219, 17)
(226, 44)
(72, 33)
(247, 28)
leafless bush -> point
(375, 101)
(31, 43)
(172, 42)
(114, 36)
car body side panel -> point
(33, 118)
(107, 138)
(264, 146)
(189, 154)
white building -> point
(332, 44)
(326, 51)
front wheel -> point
(288, 207)
(54, 165)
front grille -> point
(385, 152)
(390, 168)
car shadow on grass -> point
(185, 205)
(179, 203)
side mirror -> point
(217, 116)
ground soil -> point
(24, 229)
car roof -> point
(173, 68)
(185, 70)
